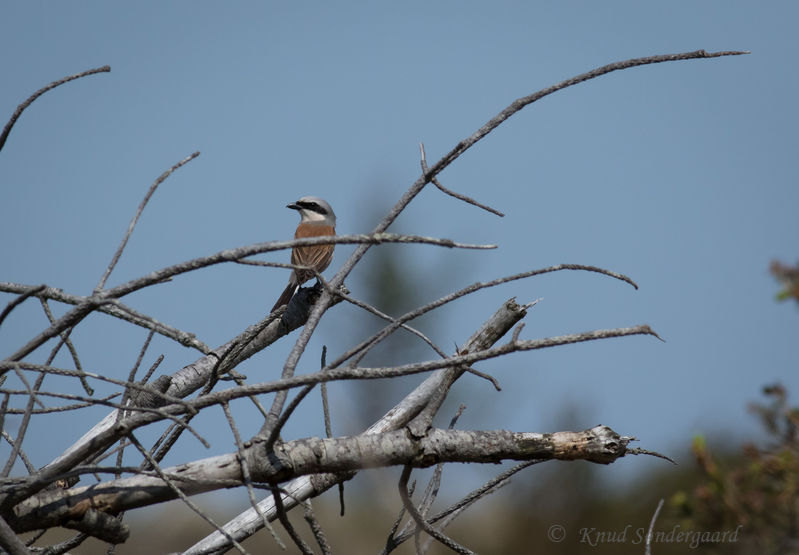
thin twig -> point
(183, 497)
(136, 216)
(23, 457)
(285, 415)
(36, 537)
(245, 472)
(4, 410)
(648, 548)
(126, 395)
(63, 408)
(284, 520)
(19, 300)
(325, 405)
(452, 193)
(486, 489)
(316, 529)
(153, 367)
(71, 348)
(420, 521)
(47, 369)
(23, 426)
(380, 314)
(65, 546)
(40, 92)
(29, 391)
(390, 544)
(385, 332)
(116, 309)
(431, 492)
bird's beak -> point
(293, 206)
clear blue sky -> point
(681, 175)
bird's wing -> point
(317, 257)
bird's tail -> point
(285, 297)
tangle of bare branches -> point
(285, 472)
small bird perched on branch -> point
(317, 219)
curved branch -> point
(524, 101)
(19, 300)
(367, 344)
(40, 92)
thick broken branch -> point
(314, 456)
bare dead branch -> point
(71, 348)
(431, 492)
(23, 457)
(66, 546)
(394, 527)
(19, 300)
(325, 405)
(451, 193)
(115, 309)
(50, 410)
(152, 369)
(147, 415)
(327, 299)
(164, 398)
(74, 316)
(419, 519)
(187, 380)
(126, 396)
(23, 426)
(245, 472)
(414, 403)
(69, 320)
(311, 467)
(648, 548)
(4, 410)
(247, 523)
(522, 102)
(313, 456)
(282, 516)
(136, 216)
(641, 451)
(9, 541)
(40, 92)
(100, 525)
(365, 345)
(380, 314)
(174, 487)
(444, 516)
(316, 529)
